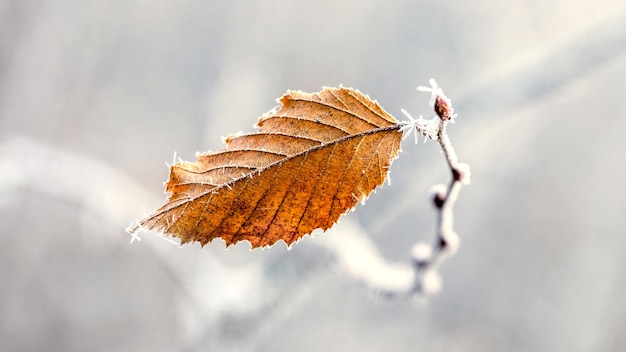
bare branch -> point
(426, 258)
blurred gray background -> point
(95, 97)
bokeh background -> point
(95, 97)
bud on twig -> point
(443, 108)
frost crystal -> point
(427, 128)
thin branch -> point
(428, 259)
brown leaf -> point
(310, 162)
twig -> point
(427, 259)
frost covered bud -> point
(438, 100)
(443, 108)
(431, 283)
(421, 253)
(462, 173)
(439, 199)
(438, 195)
(450, 241)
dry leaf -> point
(310, 162)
